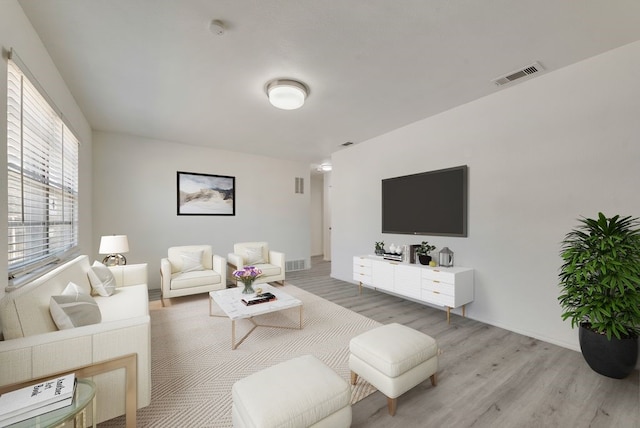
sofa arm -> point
(276, 258)
(220, 266)
(126, 275)
(235, 261)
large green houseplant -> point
(600, 291)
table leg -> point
(94, 412)
(233, 335)
(300, 317)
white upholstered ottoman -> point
(394, 358)
(301, 392)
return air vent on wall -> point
(291, 265)
(518, 74)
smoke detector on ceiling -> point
(518, 74)
(217, 27)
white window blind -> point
(42, 157)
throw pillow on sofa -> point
(253, 255)
(192, 261)
(74, 308)
(102, 280)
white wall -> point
(326, 224)
(540, 154)
(16, 32)
(135, 194)
(316, 195)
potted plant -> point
(423, 252)
(380, 248)
(600, 291)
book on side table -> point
(34, 400)
(258, 298)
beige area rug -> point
(193, 367)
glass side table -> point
(76, 412)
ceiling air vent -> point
(515, 75)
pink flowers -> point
(247, 274)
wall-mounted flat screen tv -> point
(428, 203)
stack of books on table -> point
(258, 298)
(34, 400)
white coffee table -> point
(229, 300)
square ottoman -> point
(301, 392)
(394, 358)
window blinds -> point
(42, 157)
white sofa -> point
(258, 254)
(33, 347)
(179, 280)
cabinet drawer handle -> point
(437, 282)
(436, 270)
(436, 292)
(393, 263)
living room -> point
(541, 154)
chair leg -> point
(434, 379)
(392, 403)
(354, 378)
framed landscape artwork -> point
(206, 194)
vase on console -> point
(424, 260)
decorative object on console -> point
(423, 252)
(247, 275)
(394, 253)
(445, 257)
(413, 253)
(114, 246)
(600, 291)
(380, 248)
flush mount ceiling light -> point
(287, 94)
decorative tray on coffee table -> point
(258, 298)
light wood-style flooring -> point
(488, 377)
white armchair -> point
(257, 254)
(191, 269)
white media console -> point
(450, 287)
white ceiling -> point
(153, 68)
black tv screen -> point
(429, 203)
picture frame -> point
(205, 194)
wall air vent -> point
(518, 74)
(293, 265)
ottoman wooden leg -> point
(392, 403)
(354, 378)
(434, 379)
